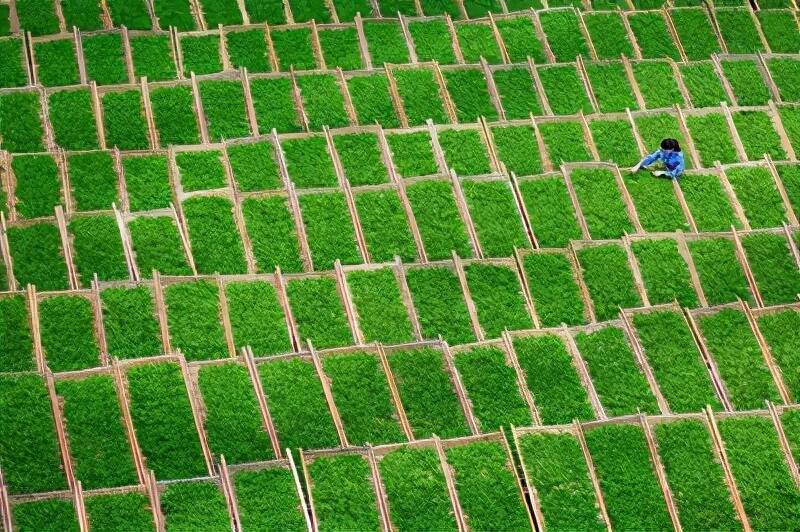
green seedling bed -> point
(720, 273)
(97, 245)
(158, 246)
(437, 216)
(268, 499)
(440, 305)
(257, 318)
(215, 241)
(343, 493)
(272, 234)
(773, 267)
(193, 314)
(664, 272)
(498, 298)
(497, 221)
(329, 229)
(550, 211)
(195, 505)
(601, 203)
(319, 312)
(382, 315)
(67, 333)
(383, 221)
(554, 290)
(129, 322)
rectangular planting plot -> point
(440, 305)
(188, 505)
(29, 451)
(416, 490)
(371, 100)
(491, 386)
(712, 139)
(257, 318)
(330, 230)
(147, 181)
(162, 417)
(517, 93)
(615, 142)
(309, 163)
(15, 336)
(426, 390)
(620, 383)
(201, 54)
(123, 115)
(274, 105)
(98, 250)
(322, 101)
(708, 202)
(56, 62)
(412, 154)
(470, 94)
(773, 267)
(130, 323)
(200, 170)
(695, 32)
(652, 35)
(564, 142)
(272, 234)
(382, 315)
(553, 380)
(741, 365)
(361, 158)
(703, 83)
(720, 273)
(517, 148)
(158, 246)
(601, 203)
(432, 41)
(786, 75)
(611, 87)
(654, 128)
(194, 318)
(421, 95)
(440, 223)
(21, 122)
(38, 185)
(268, 498)
(319, 312)
(107, 512)
(36, 250)
(354, 508)
(758, 135)
(497, 221)
(608, 34)
(12, 69)
(562, 29)
(781, 333)
(778, 28)
(656, 203)
(465, 152)
(664, 272)
(362, 397)
(254, 166)
(520, 39)
(215, 241)
(58, 514)
(341, 48)
(565, 90)
(497, 295)
(94, 181)
(153, 58)
(675, 359)
(738, 29)
(756, 191)
(487, 486)
(765, 484)
(695, 476)
(550, 211)
(72, 117)
(232, 414)
(293, 48)
(385, 42)
(558, 471)
(746, 81)
(173, 113)
(68, 333)
(105, 60)
(657, 83)
(248, 49)
(477, 41)
(385, 226)
(554, 290)
(622, 461)
(223, 106)
(98, 443)
(297, 404)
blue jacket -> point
(673, 161)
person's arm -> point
(678, 170)
(647, 161)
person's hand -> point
(636, 168)
(659, 173)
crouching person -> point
(670, 155)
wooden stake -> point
(61, 433)
(230, 494)
(395, 393)
(784, 442)
(598, 492)
(326, 390)
(461, 522)
(458, 386)
(120, 388)
(766, 353)
(661, 475)
(266, 417)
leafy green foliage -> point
(98, 444)
(517, 148)
(622, 461)
(657, 83)
(319, 312)
(37, 256)
(28, 449)
(194, 320)
(779, 31)
(421, 96)
(427, 393)
(487, 487)
(563, 32)
(272, 234)
(652, 36)
(412, 154)
(297, 404)
(158, 246)
(601, 203)
(781, 333)
(619, 381)
(15, 336)
(293, 48)
(130, 323)
(385, 227)
(738, 30)
(274, 105)
(656, 204)
(694, 30)
(164, 424)
(38, 185)
(322, 101)
(309, 163)
(614, 141)
(21, 122)
(233, 417)
(174, 13)
(550, 211)
(341, 48)
(47, 514)
(152, 57)
(498, 298)
(257, 318)
(254, 166)
(114, 512)
(98, 249)
(554, 290)
(385, 42)
(654, 128)
(93, 179)
(708, 203)
(371, 100)
(611, 87)
(664, 272)
(343, 495)
(362, 397)
(790, 119)
(741, 365)
(56, 61)
(131, 14)
(762, 477)
(218, 12)
(476, 41)
(68, 340)
(747, 83)
(438, 219)
(382, 315)
(440, 305)
(756, 191)
(216, 245)
(494, 213)
(223, 106)
(720, 273)
(558, 471)
(416, 490)
(305, 10)
(564, 141)
(37, 16)
(608, 34)
(268, 499)
(565, 90)
(200, 170)
(104, 57)
(248, 49)
(516, 92)
(520, 40)
(773, 267)
(758, 135)
(201, 54)
(329, 229)
(147, 181)
(712, 139)
(173, 113)
(361, 158)
(470, 94)
(195, 505)
(432, 41)
(703, 84)
(673, 355)
(12, 73)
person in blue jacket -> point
(670, 154)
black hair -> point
(670, 144)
